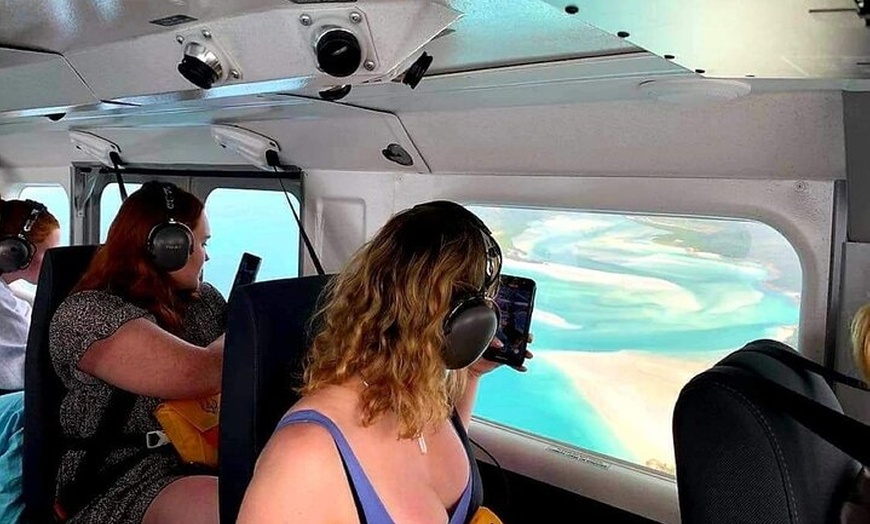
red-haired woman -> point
(27, 230)
(135, 325)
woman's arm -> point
(145, 359)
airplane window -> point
(110, 203)
(252, 220)
(56, 200)
(629, 308)
(257, 221)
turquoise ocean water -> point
(675, 287)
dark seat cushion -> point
(43, 391)
(268, 331)
(740, 460)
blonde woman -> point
(379, 434)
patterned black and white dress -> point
(81, 320)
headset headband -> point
(491, 247)
(35, 210)
(169, 198)
(493, 260)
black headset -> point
(16, 251)
(170, 243)
(474, 318)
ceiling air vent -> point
(694, 91)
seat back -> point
(43, 391)
(739, 459)
(268, 331)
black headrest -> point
(43, 391)
(268, 331)
(739, 459)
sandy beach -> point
(635, 392)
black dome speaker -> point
(338, 52)
(200, 66)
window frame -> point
(566, 448)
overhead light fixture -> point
(96, 147)
(259, 150)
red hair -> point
(123, 266)
(13, 215)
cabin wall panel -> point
(652, 497)
(47, 148)
(856, 109)
(342, 211)
(779, 136)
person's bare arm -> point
(145, 359)
(298, 479)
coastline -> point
(635, 393)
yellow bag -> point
(484, 515)
(192, 428)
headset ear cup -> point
(170, 244)
(15, 254)
(469, 331)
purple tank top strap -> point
(373, 509)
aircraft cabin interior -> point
(679, 179)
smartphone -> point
(515, 299)
(247, 271)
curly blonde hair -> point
(383, 319)
(860, 330)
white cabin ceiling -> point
(572, 87)
(65, 26)
(111, 50)
(490, 33)
(34, 79)
(738, 38)
(120, 53)
(498, 33)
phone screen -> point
(249, 266)
(515, 299)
